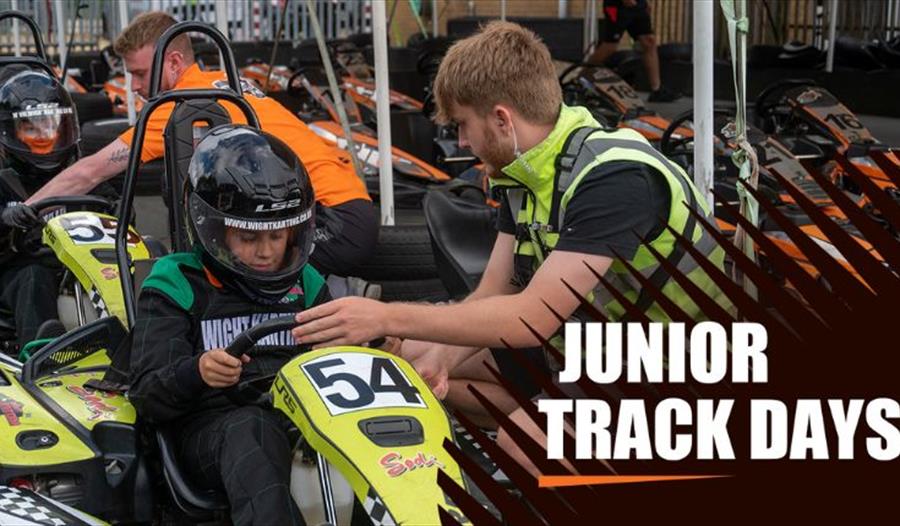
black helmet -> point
(38, 122)
(247, 199)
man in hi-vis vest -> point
(574, 196)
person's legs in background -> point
(609, 39)
(650, 56)
(640, 28)
(29, 292)
(602, 53)
(345, 238)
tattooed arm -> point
(84, 175)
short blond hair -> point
(145, 29)
(503, 63)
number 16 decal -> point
(353, 381)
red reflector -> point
(21, 484)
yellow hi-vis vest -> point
(542, 181)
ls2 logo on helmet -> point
(280, 205)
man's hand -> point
(220, 369)
(629, 3)
(411, 349)
(434, 362)
(344, 321)
(434, 367)
(20, 216)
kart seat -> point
(187, 125)
(462, 237)
(801, 55)
(196, 503)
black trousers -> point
(345, 237)
(245, 452)
(28, 294)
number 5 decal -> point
(82, 229)
(353, 381)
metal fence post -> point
(832, 28)
(17, 38)
(383, 109)
(62, 49)
(703, 97)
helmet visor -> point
(40, 130)
(263, 249)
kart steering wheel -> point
(771, 109)
(26, 241)
(676, 148)
(249, 392)
(672, 146)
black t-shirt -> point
(613, 203)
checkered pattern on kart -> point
(463, 437)
(18, 503)
(377, 511)
(98, 303)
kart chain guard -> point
(372, 417)
(85, 243)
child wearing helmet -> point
(249, 205)
(38, 138)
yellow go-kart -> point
(371, 433)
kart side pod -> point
(85, 243)
(372, 417)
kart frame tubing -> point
(134, 161)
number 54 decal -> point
(354, 381)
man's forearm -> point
(87, 173)
(71, 181)
(486, 321)
(555, 291)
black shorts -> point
(635, 20)
(345, 237)
(512, 370)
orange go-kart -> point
(814, 124)
(785, 183)
(613, 101)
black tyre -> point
(430, 290)
(402, 253)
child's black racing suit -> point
(184, 311)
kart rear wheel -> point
(429, 290)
